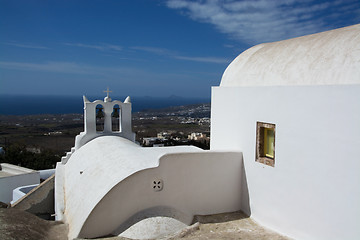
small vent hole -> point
(157, 185)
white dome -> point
(327, 58)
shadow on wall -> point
(245, 211)
(245, 199)
(227, 217)
(39, 201)
(190, 189)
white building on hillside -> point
(285, 137)
(197, 136)
(293, 109)
(107, 183)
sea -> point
(30, 105)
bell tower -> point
(125, 125)
(123, 110)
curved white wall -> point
(313, 192)
(325, 58)
(193, 183)
(108, 180)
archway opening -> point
(153, 228)
(116, 118)
(100, 116)
(152, 216)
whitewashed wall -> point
(19, 192)
(8, 184)
(107, 185)
(193, 184)
(313, 192)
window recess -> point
(265, 143)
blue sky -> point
(145, 47)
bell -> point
(99, 112)
(115, 112)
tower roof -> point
(327, 58)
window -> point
(265, 143)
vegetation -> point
(17, 154)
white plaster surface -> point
(22, 191)
(313, 192)
(12, 177)
(45, 174)
(108, 185)
(326, 58)
(59, 189)
(309, 87)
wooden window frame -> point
(262, 156)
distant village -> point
(172, 139)
(183, 125)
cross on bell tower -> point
(107, 98)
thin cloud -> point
(66, 68)
(228, 45)
(25, 45)
(154, 50)
(75, 68)
(58, 67)
(100, 47)
(256, 21)
(204, 59)
(175, 55)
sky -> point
(145, 47)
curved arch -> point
(114, 217)
(99, 117)
(158, 211)
(115, 201)
(116, 118)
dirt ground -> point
(16, 224)
(227, 226)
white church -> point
(285, 142)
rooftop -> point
(8, 170)
(327, 58)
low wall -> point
(16, 177)
(40, 200)
(45, 174)
(184, 185)
(21, 192)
